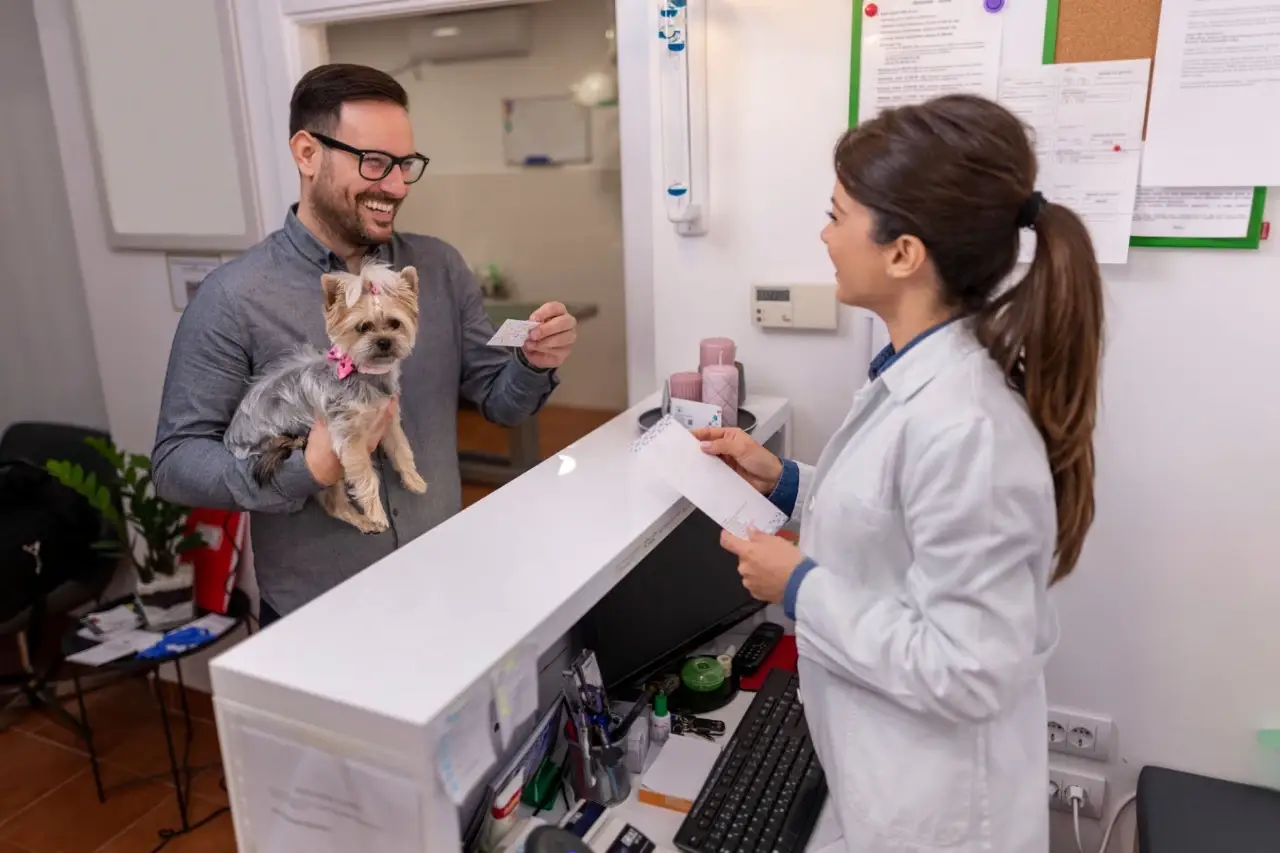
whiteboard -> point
(161, 85)
(546, 131)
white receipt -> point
(304, 800)
(695, 415)
(118, 645)
(464, 752)
(1087, 122)
(512, 333)
(515, 689)
(672, 453)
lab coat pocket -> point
(913, 779)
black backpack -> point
(47, 534)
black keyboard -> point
(766, 788)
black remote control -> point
(749, 658)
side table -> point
(132, 667)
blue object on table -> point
(177, 642)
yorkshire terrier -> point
(372, 321)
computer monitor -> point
(685, 592)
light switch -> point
(795, 306)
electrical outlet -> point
(1080, 733)
(1095, 792)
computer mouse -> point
(553, 839)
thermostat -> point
(795, 306)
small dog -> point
(372, 321)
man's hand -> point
(765, 563)
(548, 346)
(323, 462)
(743, 454)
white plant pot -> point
(168, 601)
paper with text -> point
(512, 333)
(693, 415)
(671, 452)
(115, 646)
(515, 690)
(304, 800)
(912, 52)
(1189, 212)
(1214, 96)
(464, 751)
(1086, 120)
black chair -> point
(36, 443)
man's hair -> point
(318, 98)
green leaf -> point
(190, 542)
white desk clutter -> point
(417, 673)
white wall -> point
(556, 231)
(1170, 622)
(46, 346)
(130, 312)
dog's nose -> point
(384, 344)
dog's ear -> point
(410, 277)
(334, 289)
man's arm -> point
(209, 371)
(504, 386)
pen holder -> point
(599, 773)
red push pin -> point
(1116, 148)
(871, 10)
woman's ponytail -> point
(1046, 334)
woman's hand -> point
(765, 563)
(744, 455)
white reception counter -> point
(366, 672)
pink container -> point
(686, 385)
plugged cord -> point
(167, 835)
(1076, 796)
(1115, 819)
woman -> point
(959, 488)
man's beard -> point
(343, 219)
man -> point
(353, 145)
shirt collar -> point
(310, 247)
(931, 352)
(887, 356)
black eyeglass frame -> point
(392, 160)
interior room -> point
(574, 637)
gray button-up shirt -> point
(265, 304)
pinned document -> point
(512, 333)
(672, 453)
(515, 689)
(1193, 213)
(1214, 95)
(301, 798)
(912, 52)
(464, 751)
(1086, 119)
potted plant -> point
(494, 283)
(149, 531)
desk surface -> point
(389, 650)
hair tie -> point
(1030, 210)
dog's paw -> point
(368, 525)
(413, 482)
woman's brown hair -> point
(959, 173)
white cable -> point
(1075, 818)
(1115, 818)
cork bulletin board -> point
(1103, 30)
(1081, 31)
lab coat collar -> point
(918, 365)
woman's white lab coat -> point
(924, 630)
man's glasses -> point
(376, 165)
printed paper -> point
(512, 333)
(464, 752)
(515, 690)
(304, 800)
(118, 645)
(1086, 119)
(671, 452)
(912, 52)
(692, 415)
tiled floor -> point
(47, 798)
